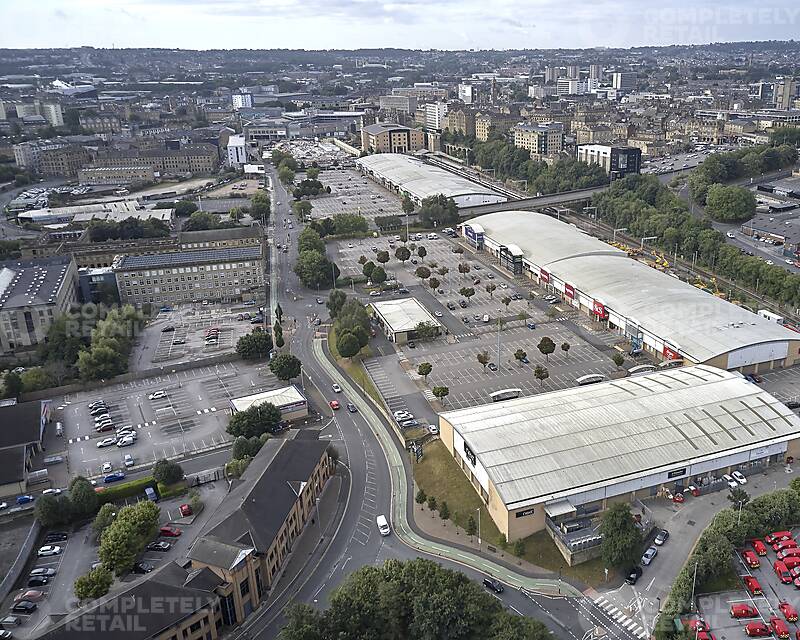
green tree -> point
(378, 275)
(426, 331)
(407, 205)
(104, 518)
(285, 366)
(519, 547)
(520, 355)
(423, 273)
(51, 510)
(312, 173)
(382, 257)
(254, 346)
(441, 393)
(102, 361)
(422, 252)
(236, 214)
(184, 208)
(94, 584)
(565, 347)
(347, 345)
(302, 209)
(315, 270)
(618, 359)
(622, 541)
(310, 240)
(118, 549)
(202, 221)
(467, 292)
(541, 374)
(730, 203)
(254, 421)
(279, 312)
(434, 283)
(472, 527)
(438, 210)
(444, 512)
(167, 472)
(432, 506)
(12, 385)
(738, 495)
(260, 206)
(424, 369)
(285, 175)
(336, 300)
(246, 447)
(402, 254)
(483, 358)
(490, 289)
(546, 346)
(421, 497)
(367, 268)
(82, 496)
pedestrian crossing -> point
(620, 618)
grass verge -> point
(353, 368)
(728, 581)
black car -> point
(412, 344)
(661, 537)
(493, 585)
(159, 546)
(793, 404)
(351, 407)
(55, 536)
(634, 573)
(142, 567)
(492, 366)
(38, 581)
(167, 329)
(24, 606)
(462, 304)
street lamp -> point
(645, 239)
(479, 527)
(614, 239)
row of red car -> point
(759, 628)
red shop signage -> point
(544, 276)
(569, 290)
(599, 309)
(671, 354)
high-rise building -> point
(242, 100)
(540, 139)
(623, 80)
(51, 111)
(435, 113)
(467, 93)
(405, 104)
(573, 71)
(617, 161)
(571, 87)
(785, 92)
(237, 153)
(596, 72)
(551, 74)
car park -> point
(743, 610)
(169, 531)
(49, 550)
(648, 556)
(55, 536)
(493, 585)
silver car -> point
(648, 556)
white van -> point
(383, 525)
(486, 317)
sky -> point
(413, 24)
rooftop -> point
(184, 258)
(24, 283)
(695, 323)
(278, 397)
(403, 314)
(557, 444)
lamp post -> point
(645, 239)
(479, 527)
(614, 239)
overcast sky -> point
(424, 24)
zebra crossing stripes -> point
(620, 618)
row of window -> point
(222, 266)
(202, 276)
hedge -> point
(171, 490)
(124, 489)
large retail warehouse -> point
(660, 314)
(542, 460)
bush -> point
(166, 491)
(94, 584)
(125, 489)
(167, 472)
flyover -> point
(537, 202)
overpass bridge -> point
(538, 202)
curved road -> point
(376, 480)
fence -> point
(128, 377)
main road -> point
(378, 481)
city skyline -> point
(412, 24)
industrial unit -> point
(399, 319)
(659, 314)
(289, 400)
(406, 175)
(554, 457)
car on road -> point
(634, 573)
(383, 525)
(24, 606)
(38, 581)
(334, 404)
(55, 536)
(412, 344)
(167, 329)
(106, 468)
(336, 388)
(730, 234)
(159, 546)
(156, 395)
(128, 460)
(648, 556)
(757, 630)
(25, 499)
(743, 610)
(51, 492)
(106, 442)
(352, 408)
(739, 477)
(451, 305)
(320, 301)
(43, 571)
(116, 476)
(788, 611)
(661, 537)
(142, 567)
(374, 294)
(49, 550)
(169, 531)
(438, 314)
(493, 585)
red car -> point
(678, 498)
(750, 559)
(779, 627)
(334, 404)
(185, 510)
(705, 635)
(698, 624)
(759, 547)
(784, 544)
(788, 553)
(170, 532)
(777, 536)
(788, 611)
(742, 610)
(757, 630)
(752, 585)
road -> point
(379, 477)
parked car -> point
(168, 328)
(757, 630)
(24, 606)
(759, 547)
(157, 394)
(784, 544)
(732, 484)
(32, 595)
(634, 573)
(777, 536)
(49, 550)
(38, 581)
(169, 531)
(752, 585)
(648, 556)
(185, 510)
(433, 429)
(55, 536)
(106, 442)
(128, 460)
(43, 571)
(661, 537)
(51, 492)
(25, 499)
(126, 441)
(739, 477)
(491, 366)
(788, 611)
(743, 610)
(779, 627)
(750, 559)
(493, 585)
(142, 567)
(159, 546)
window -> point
(244, 587)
